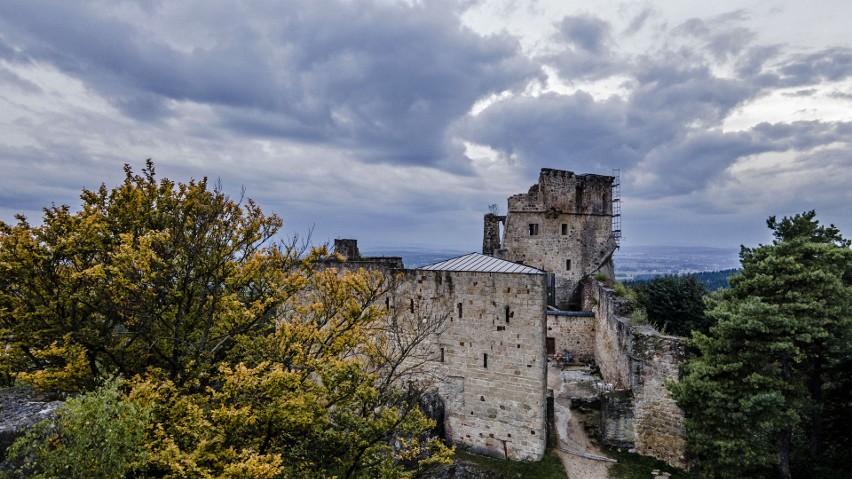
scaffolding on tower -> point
(616, 206)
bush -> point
(97, 435)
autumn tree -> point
(149, 274)
(252, 358)
(756, 396)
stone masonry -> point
(488, 360)
(492, 357)
(562, 225)
(638, 361)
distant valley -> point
(631, 262)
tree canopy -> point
(674, 304)
(771, 380)
(248, 357)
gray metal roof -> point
(475, 262)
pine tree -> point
(755, 395)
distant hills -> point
(631, 262)
(713, 280)
(644, 262)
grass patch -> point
(550, 467)
(635, 466)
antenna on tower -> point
(616, 206)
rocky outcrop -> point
(20, 410)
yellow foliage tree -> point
(253, 359)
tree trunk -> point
(786, 433)
(784, 454)
(815, 388)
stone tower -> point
(563, 225)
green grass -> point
(634, 466)
(550, 467)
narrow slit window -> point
(507, 315)
(485, 360)
(564, 229)
(411, 305)
(442, 355)
(533, 229)
(567, 265)
(460, 310)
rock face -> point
(20, 410)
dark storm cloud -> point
(651, 126)
(831, 64)
(586, 32)
(587, 48)
(720, 35)
(384, 79)
(692, 163)
(582, 134)
(803, 135)
(666, 127)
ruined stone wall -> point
(612, 338)
(491, 241)
(492, 356)
(641, 360)
(563, 225)
(658, 419)
(617, 421)
(573, 333)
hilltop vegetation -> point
(712, 280)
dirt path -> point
(574, 443)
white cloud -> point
(399, 122)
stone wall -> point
(563, 225)
(617, 421)
(491, 354)
(491, 240)
(612, 338)
(572, 332)
(639, 360)
(658, 419)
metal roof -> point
(475, 262)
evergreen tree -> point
(675, 304)
(756, 395)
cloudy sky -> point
(399, 122)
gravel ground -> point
(572, 435)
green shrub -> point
(98, 435)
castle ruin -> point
(562, 225)
(536, 289)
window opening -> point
(485, 360)
(460, 310)
(567, 265)
(533, 229)
(564, 229)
